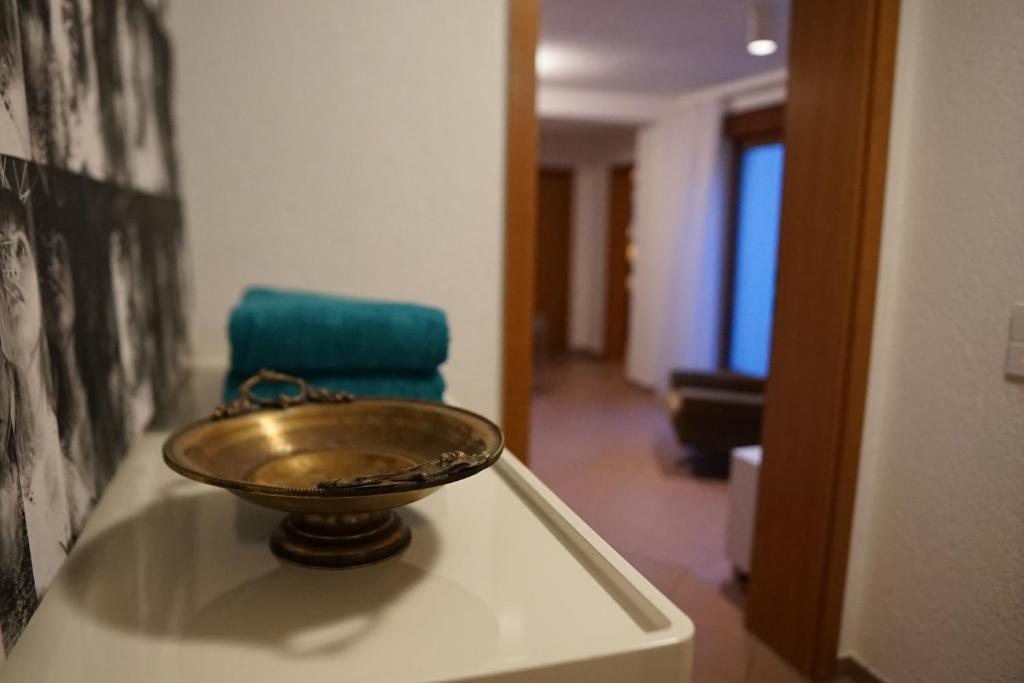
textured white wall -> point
(351, 147)
(679, 221)
(679, 212)
(935, 591)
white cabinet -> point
(173, 581)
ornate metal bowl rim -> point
(310, 398)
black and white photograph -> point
(109, 24)
(14, 135)
(98, 89)
(164, 279)
(76, 223)
(61, 85)
(56, 213)
(37, 448)
(17, 584)
(145, 72)
(135, 343)
(91, 323)
(133, 68)
(111, 272)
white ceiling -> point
(653, 47)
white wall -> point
(680, 215)
(936, 584)
(589, 258)
(351, 147)
(598, 105)
(679, 230)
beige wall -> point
(588, 258)
(936, 585)
(352, 147)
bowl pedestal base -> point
(336, 541)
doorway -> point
(551, 291)
(606, 444)
(816, 431)
(617, 280)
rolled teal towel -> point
(299, 332)
(428, 386)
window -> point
(753, 252)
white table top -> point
(174, 581)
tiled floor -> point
(607, 449)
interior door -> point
(620, 215)
(551, 289)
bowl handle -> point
(247, 402)
(430, 472)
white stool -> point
(739, 534)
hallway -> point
(608, 450)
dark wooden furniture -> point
(714, 412)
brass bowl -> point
(338, 465)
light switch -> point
(1015, 360)
(1017, 323)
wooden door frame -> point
(841, 66)
(520, 224)
(615, 277)
(743, 130)
(842, 57)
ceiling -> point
(652, 47)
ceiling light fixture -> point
(548, 61)
(761, 29)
